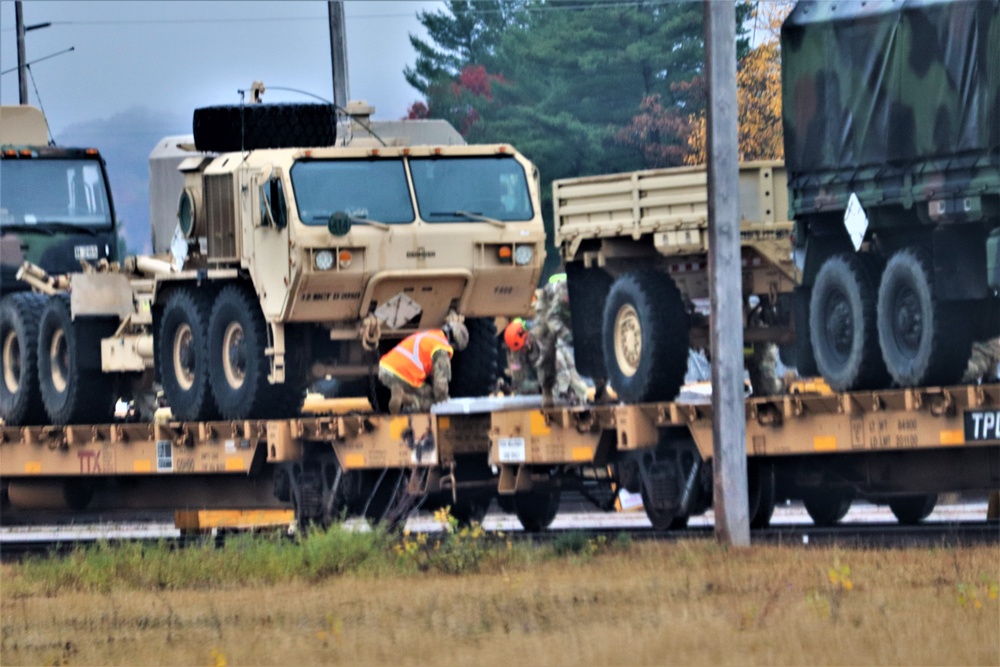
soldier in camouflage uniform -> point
(983, 363)
(425, 355)
(522, 357)
(556, 366)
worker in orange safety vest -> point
(422, 356)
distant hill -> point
(125, 140)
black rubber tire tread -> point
(19, 314)
(664, 332)
(588, 291)
(255, 398)
(232, 128)
(913, 509)
(88, 397)
(474, 370)
(826, 508)
(536, 510)
(191, 306)
(854, 279)
(945, 345)
(761, 491)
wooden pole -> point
(338, 52)
(732, 523)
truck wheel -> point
(645, 332)
(231, 128)
(237, 340)
(74, 390)
(760, 488)
(826, 507)
(20, 399)
(662, 519)
(913, 509)
(183, 356)
(536, 510)
(923, 341)
(588, 290)
(842, 324)
(474, 370)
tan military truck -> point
(297, 257)
(636, 251)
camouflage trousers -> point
(523, 373)
(762, 366)
(557, 368)
(404, 397)
(983, 361)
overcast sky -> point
(175, 56)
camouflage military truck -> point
(892, 145)
(636, 250)
(297, 257)
(55, 210)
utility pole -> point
(22, 60)
(732, 523)
(338, 52)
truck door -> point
(268, 258)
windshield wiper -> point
(472, 216)
(50, 228)
(26, 228)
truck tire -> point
(923, 340)
(231, 128)
(826, 507)
(843, 323)
(475, 369)
(913, 509)
(237, 340)
(536, 510)
(20, 398)
(73, 388)
(182, 355)
(470, 509)
(588, 291)
(645, 333)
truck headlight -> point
(323, 260)
(523, 255)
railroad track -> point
(864, 526)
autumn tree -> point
(758, 95)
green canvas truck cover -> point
(906, 86)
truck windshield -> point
(369, 189)
(40, 191)
(450, 188)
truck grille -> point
(220, 214)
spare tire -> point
(230, 128)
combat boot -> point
(547, 399)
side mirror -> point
(273, 212)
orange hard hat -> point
(515, 335)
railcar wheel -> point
(913, 509)
(827, 508)
(924, 341)
(761, 490)
(183, 355)
(843, 324)
(662, 519)
(73, 388)
(470, 510)
(20, 397)
(645, 332)
(536, 510)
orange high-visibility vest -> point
(413, 359)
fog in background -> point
(139, 69)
